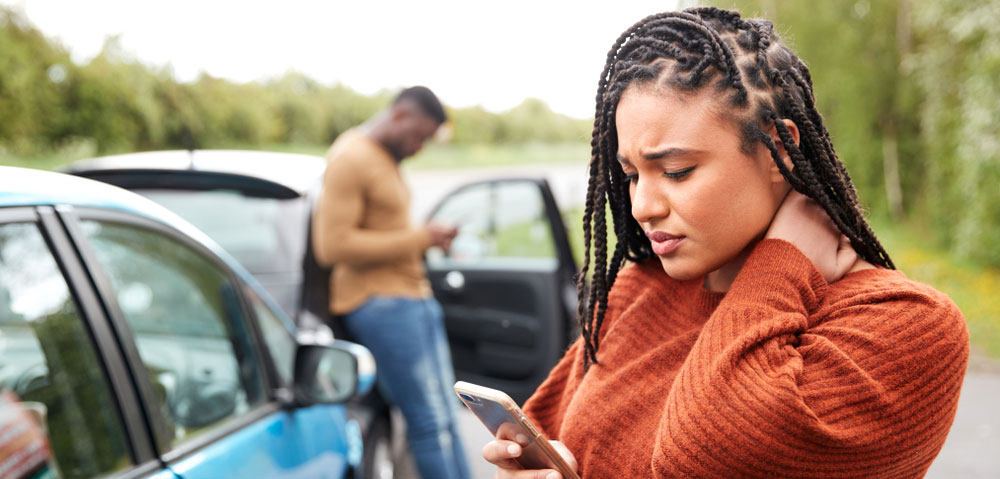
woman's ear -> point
(793, 129)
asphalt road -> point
(972, 450)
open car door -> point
(507, 284)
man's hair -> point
(425, 99)
(759, 83)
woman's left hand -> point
(802, 222)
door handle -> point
(454, 281)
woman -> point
(748, 323)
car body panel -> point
(283, 444)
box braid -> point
(763, 82)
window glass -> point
(280, 342)
(189, 328)
(266, 235)
(57, 417)
(499, 223)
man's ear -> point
(397, 113)
(793, 129)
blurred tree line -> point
(114, 103)
(910, 91)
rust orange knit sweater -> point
(783, 376)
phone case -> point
(494, 409)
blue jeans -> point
(407, 338)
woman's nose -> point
(649, 203)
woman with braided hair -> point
(748, 322)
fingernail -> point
(521, 438)
(513, 449)
(552, 475)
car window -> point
(266, 235)
(55, 405)
(188, 325)
(501, 223)
(279, 340)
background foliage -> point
(114, 103)
(910, 91)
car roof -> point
(31, 187)
(297, 172)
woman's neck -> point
(721, 279)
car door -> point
(506, 285)
(67, 405)
(210, 387)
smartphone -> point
(500, 414)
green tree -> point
(957, 63)
(32, 73)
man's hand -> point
(441, 235)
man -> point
(379, 286)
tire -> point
(378, 460)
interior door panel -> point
(502, 287)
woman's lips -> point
(664, 243)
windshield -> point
(266, 235)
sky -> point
(492, 54)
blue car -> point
(131, 346)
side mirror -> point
(332, 373)
(366, 365)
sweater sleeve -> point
(338, 236)
(870, 391)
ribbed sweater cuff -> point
(777, 274)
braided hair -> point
(763, 83)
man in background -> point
(379, 286)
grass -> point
(50, 160)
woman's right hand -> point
(503, 454)
(802, 222)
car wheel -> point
(378, 461)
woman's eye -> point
(676, 175)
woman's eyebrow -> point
(665, 153)
(668, 153)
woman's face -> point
(699, 198)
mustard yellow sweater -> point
(362, 226)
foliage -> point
(908, 90)
(29, 100)
(116, 104)
(957, 65)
